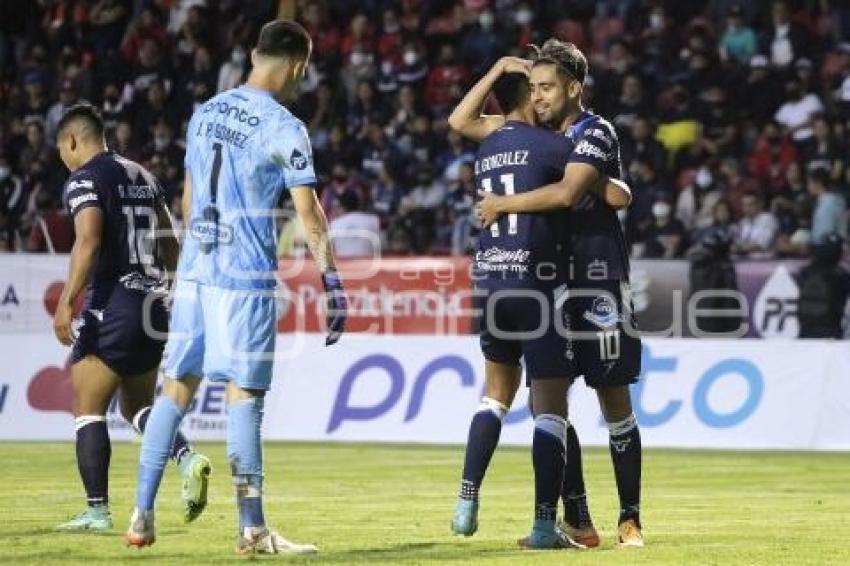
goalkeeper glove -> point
(337, 311)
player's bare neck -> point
(570, 118)
(517, 116)
(258, 81)
(88, 152)
(269, 78)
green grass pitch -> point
(392, 505)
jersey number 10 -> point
(508, 183)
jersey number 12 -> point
(141, 237)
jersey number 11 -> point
(508, 183)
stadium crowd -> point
(732, 116)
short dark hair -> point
(511, 90)
(819, 175)
(86, 116)
(284, 38)
(565, 56)
(349, 201)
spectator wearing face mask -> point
(390, 39)
(525, 30)
(482, 44)
(232, 72)
(446, 81)
(162, 143)
(784, 40)
(696, 202)
(414, 67)
(150, 109)
(760, 94)
(113, 107)
(377, 152)
(342, 181)
(665, 235)
(359, 36)
(124, 142)
(360, 69)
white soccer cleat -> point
(141, 531)
(263, 541)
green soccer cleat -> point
(92, 519)
(195, 469)
(465, 520)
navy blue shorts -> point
(120, 336)
(604, 330)
(520, 324)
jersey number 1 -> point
(508, 183)
(211, 211)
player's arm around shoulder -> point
(577, 179)
(467, 118)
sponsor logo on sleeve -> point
(75, 202)
(586, 148)
(298, 160)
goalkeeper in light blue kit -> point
(243, 149)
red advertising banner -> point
(406, 295)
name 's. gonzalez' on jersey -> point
(504, 159)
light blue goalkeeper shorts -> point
(222, 334)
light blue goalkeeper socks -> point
(245, 453)
(159, 435)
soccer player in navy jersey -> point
(519, 269)
(123, 248)
(607, 347)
